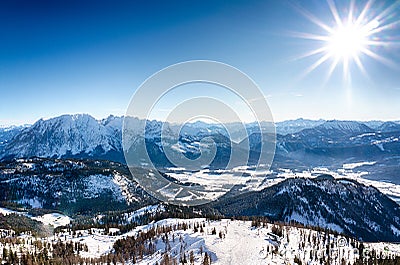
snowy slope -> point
(234, 242)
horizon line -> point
(6, 123)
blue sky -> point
(60, 57)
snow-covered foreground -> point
(231, 242)
(239, 243)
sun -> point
(347, 41)
(351, 36)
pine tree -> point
(214, 231)
(206, 260)
(165, 260)
(191, 257)
(5, 253)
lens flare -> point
(351, 36)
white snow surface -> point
(53, 219)
(5, 211)
(240, 244)
(359, 164)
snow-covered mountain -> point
(345, 127)
(294, 126)
(389, 127)
(333, 129)
(338, 141)
(68, 135)
(315, 142)
(71, 185)
(9, 132)
(342, 205)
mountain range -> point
(300, 143)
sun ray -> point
(383, 43)
(311, 53)
(335, 13)
(351, 10)
(333, 67)
(387, 12)
(385, 27)
(310, 36)
(361, 66)
(346, 72)
(379, 58)
(316, 64)
(363, 13)
(313, 19)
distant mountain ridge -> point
(294, 126)
(82, 136)
(389, 127)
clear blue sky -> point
(60, 57)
